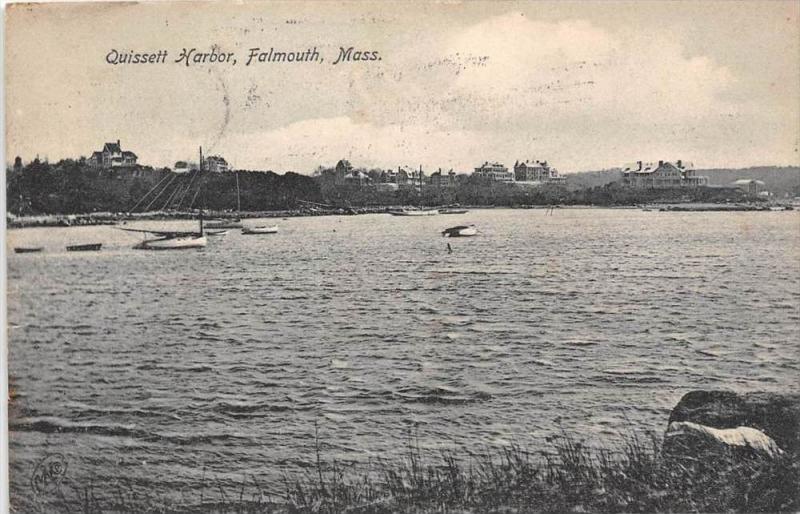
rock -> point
(775, 415)
(687, 438)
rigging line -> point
(188, 187)
(147, 193)
(161, 192)
(169, 199)
(194, 198)
(199, 186)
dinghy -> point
(460, 231)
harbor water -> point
(163, 371)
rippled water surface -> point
(162, 369)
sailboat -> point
(171, 239)
(237, 221)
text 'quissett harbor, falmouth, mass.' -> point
(255, 55)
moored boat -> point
(173, 240)
(173, 243)
(460, 231)
(28, 249)
(453, 211)
(224, 224)
(91, 247)
(415, 212)
(260, 230)
(216, 232)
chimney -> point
(639, 164)
(680, 163)
(118, 142)
(660, 163)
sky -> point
(584, 85)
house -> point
(216, 164)
(112, 156)
(494, 171)
(183, 167)
(750, 186)
(536, 171)
(343, 168)
(439, 179)
(661, 175)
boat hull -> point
(224, 224)
(85, 248)
(260, 230)
(173, 243)
(460, 232)
(430, 212)
(27, 250)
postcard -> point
(434, 256)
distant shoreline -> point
(107, 218)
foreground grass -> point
(564, 477)
(571, 478)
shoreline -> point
(108, 218)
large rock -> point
(775, 415)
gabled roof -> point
(126, 153)
(112, 147)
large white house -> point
(494, 171)
(661, 175)
(112, 156)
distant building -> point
(112, 156)
(536, 171)
(183, 167)
(343, 168)
(494, 171)
(750, 186)
(661, 175)
(216, 164)
(440, 179)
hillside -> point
(70, 187)
(779, 180)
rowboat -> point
(91, 247)
(260, 230)
(27, 249)
(460, 231)
(216, 232)
(453, 211)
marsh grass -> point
(564, 476)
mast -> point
(201, 207)
(238, 199)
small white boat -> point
(260, 230)
(453, 211)
(415, 212)
(460, 231)
(216, 232)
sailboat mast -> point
(201, 207)
(238, 198)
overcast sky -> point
(585, 85)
